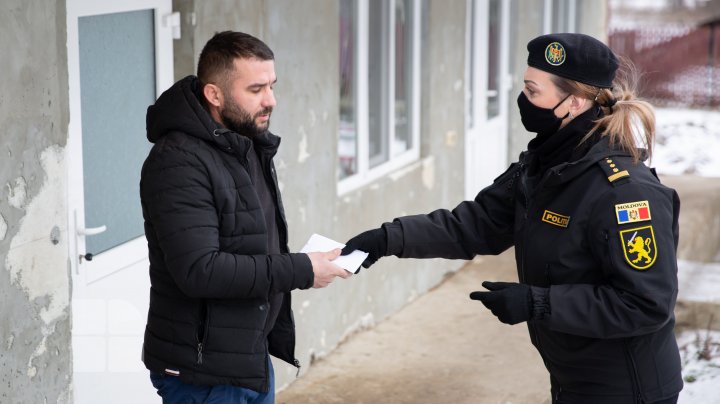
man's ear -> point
(213, 95)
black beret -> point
(577, 57)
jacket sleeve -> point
(484, 225)
(641, 289)
(182, 215)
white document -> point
(350, 262)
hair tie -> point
(609, 104)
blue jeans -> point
(173, 391)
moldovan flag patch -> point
(632, 212)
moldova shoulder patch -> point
(638, 246)
(632, 212)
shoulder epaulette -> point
(612, 170)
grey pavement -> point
(441, 348)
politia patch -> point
(556, 219)
(639, 247)
(555, 54)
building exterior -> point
(386, 108)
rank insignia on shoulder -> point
(638, 246)
(612, 170)
(632, 212)
(555, 219)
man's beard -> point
(239, 120)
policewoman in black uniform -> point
(595, 232)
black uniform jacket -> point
(210, 273)
(601, 233)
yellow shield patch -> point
(638, 246)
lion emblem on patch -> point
(639, 247)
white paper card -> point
(350, 262)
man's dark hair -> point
(216, 58)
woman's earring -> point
(571, 114)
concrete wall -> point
(304, 36)
(35, 354)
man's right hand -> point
(324, 270)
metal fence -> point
(681, 65)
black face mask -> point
(539, 120)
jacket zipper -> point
(526, 200)
(270, 171)
(205, 331)
(633, 367)
(636, 380)
(523, 187)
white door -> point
(119, 61)
(488, 83)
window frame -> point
(568, 24)
(396, 160)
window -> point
(560, 16)
(379, 89)
(494, 59)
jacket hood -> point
(179, 109)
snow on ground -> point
(701, 376)
(699, 282)
(687, 142)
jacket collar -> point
(565, 172)
(233, 142)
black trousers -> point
(557, 398)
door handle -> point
(91, 231)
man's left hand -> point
(511, 302)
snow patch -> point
(698, 281)
(687, 142)
(700, 356)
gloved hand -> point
(373, 242)
(511, 302)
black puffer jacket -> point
(609, 334)
(210, 271)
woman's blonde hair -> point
(627, 121)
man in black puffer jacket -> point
(220, 267)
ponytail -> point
(627, 121)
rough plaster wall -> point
(304, 37)
(35, 355)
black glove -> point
(511, 302)
(373, 242)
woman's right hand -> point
(373, 242)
